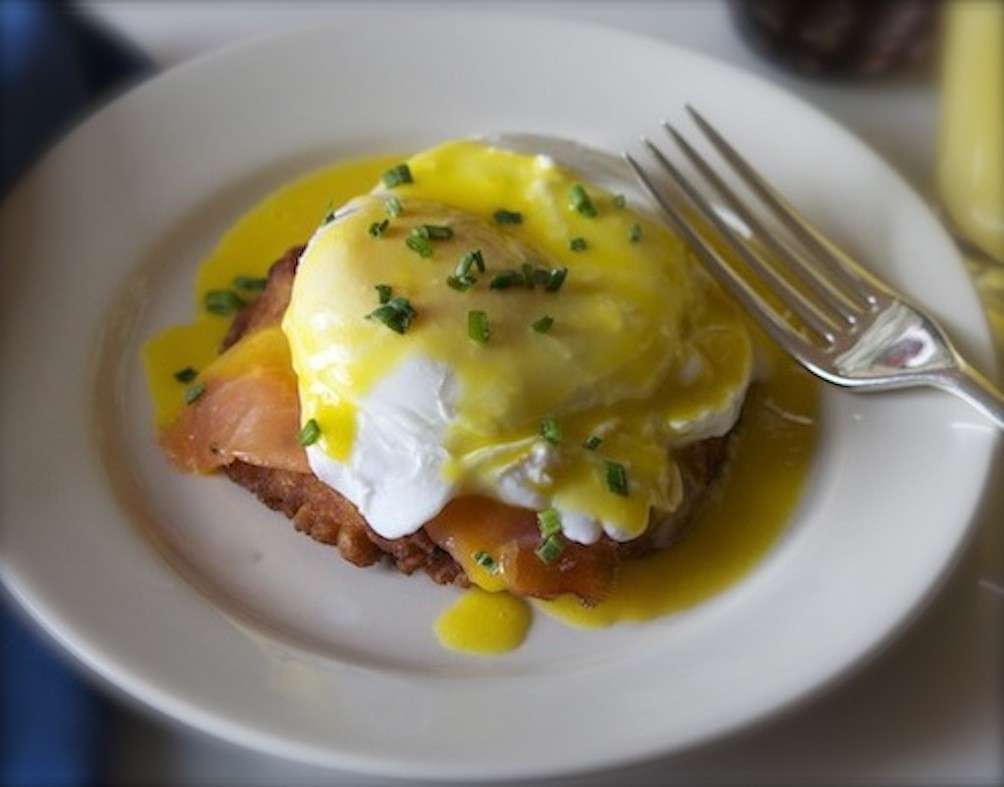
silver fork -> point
(858, 331)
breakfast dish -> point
(484, 369)
(192, 597)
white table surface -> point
(927, 710)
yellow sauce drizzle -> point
(742, 517)
(484, 623)
(285, 218)
(629, 323)
(733, 530)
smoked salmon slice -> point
(510, 535)
(248, 410)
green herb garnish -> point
(528, 274)
(478, 327)
(617, 478)
(555, 278)
(250, 283)
(619, 200)
(433, 232)
(543, 325)
(378, 228)
(397, 314)
(460, 283)
(634, 233)
(548, 522)
(393, 207)
(309, 434)
(395, 176)
(329, 216)
(418, 243)
(550, 430)
(471, 259)
(550, 549)
(577, 244)
(593, 442)
(463, 278)
(384, 292)
(579, 200)
(486, 561)
(505, 279)
(503, 216)
(193, 392)
(186, 375)
(223, 302)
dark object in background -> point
(55, 63)
(839, 38)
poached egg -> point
(570, 397)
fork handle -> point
(967, 383)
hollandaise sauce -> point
(485, 623)
(668, 354)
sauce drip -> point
(484, 623)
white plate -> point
(256, 634)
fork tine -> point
(791, 297)
(838, 264)
(836, 301)
(775, 326)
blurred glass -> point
(971, 144)
(839, 38)
(970, 168)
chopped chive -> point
(471, 259)
(555, 278)
(397, 314)
(619, 200)
(528, 274)
(250, 283)
(462, 278)
(193, 392)
(478, 327)
(329, 216)
(432, 232)
(634, 234)
(186, 375)
(223, 302)
(419, 244)
(309, 434)
(435, 231)
(577, 244)
(579, 200)
(548, 522)
(617, 478)
(550, 430)
(395, 176)
(486, 561)
(461, 283)
(550, 549)
(543, 325)
(378, 228)
(505, 279)
(503, 216)
(402, 304)
(541, 276)
(384, 292)
(593, 442)
(393, 207)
